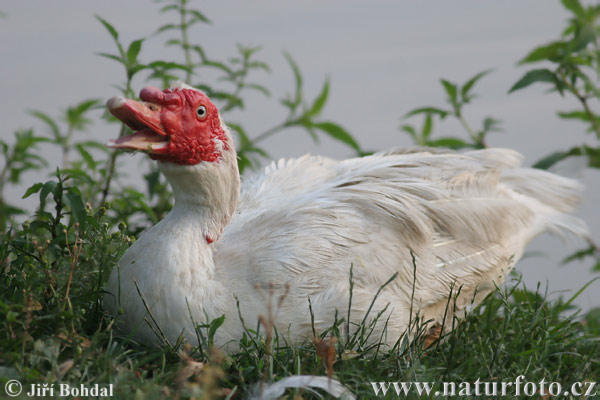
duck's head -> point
(178, 125)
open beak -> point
(144, 119)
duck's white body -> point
(305, 223)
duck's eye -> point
(201, 112)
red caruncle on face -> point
(192, 124)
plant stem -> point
(583, 100)
(272, 131)
(185, 41)
(469, 130)
(239, 85)
(66, 146)
(590, 114)
(128, 89)
(111, 170)
(236, 93)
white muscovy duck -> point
(303, 223)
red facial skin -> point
(191, 138)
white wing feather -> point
(465, 217)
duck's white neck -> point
(206, 193)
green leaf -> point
(167, 27)
(133, 70)
(298, 79)
(169, 7)
(113, 32)
(80, 175)
(218, 65)
(112, 57)
(167, 65)
(466, 88)
(173, 42)
(549, 160)
(244, 140)
(574, 6)
(451, 90)
(260, 151)
(338, 133)
(554, 51)
(427, 126)
(86, 156)
(590, 86)
(579, 255)
(582, 115)
(491, 125)
(586, 34)
(85, 105)
(319, 102)
(134, 50)
(73, 199)
(259, 65)
(449, 142)
(257, 87)
(555, 157)
(50, 122)
(32, 189)
(593, 155)
(536, 75)
(243, 161)
(198, 16)
(214, 325)
(210, 63)
(7, 210)
(74, 114)
(45, 191)
(427, 110)
(411, 132)
(312, 133)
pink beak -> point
(144, 119)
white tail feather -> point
(560, 223)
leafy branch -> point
(187, 18)
(129, 60)
(18, 158)
(457, 97)
(236, 72)
(76, 120)
(576, 60)
(299, 115)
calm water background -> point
(383, 59)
